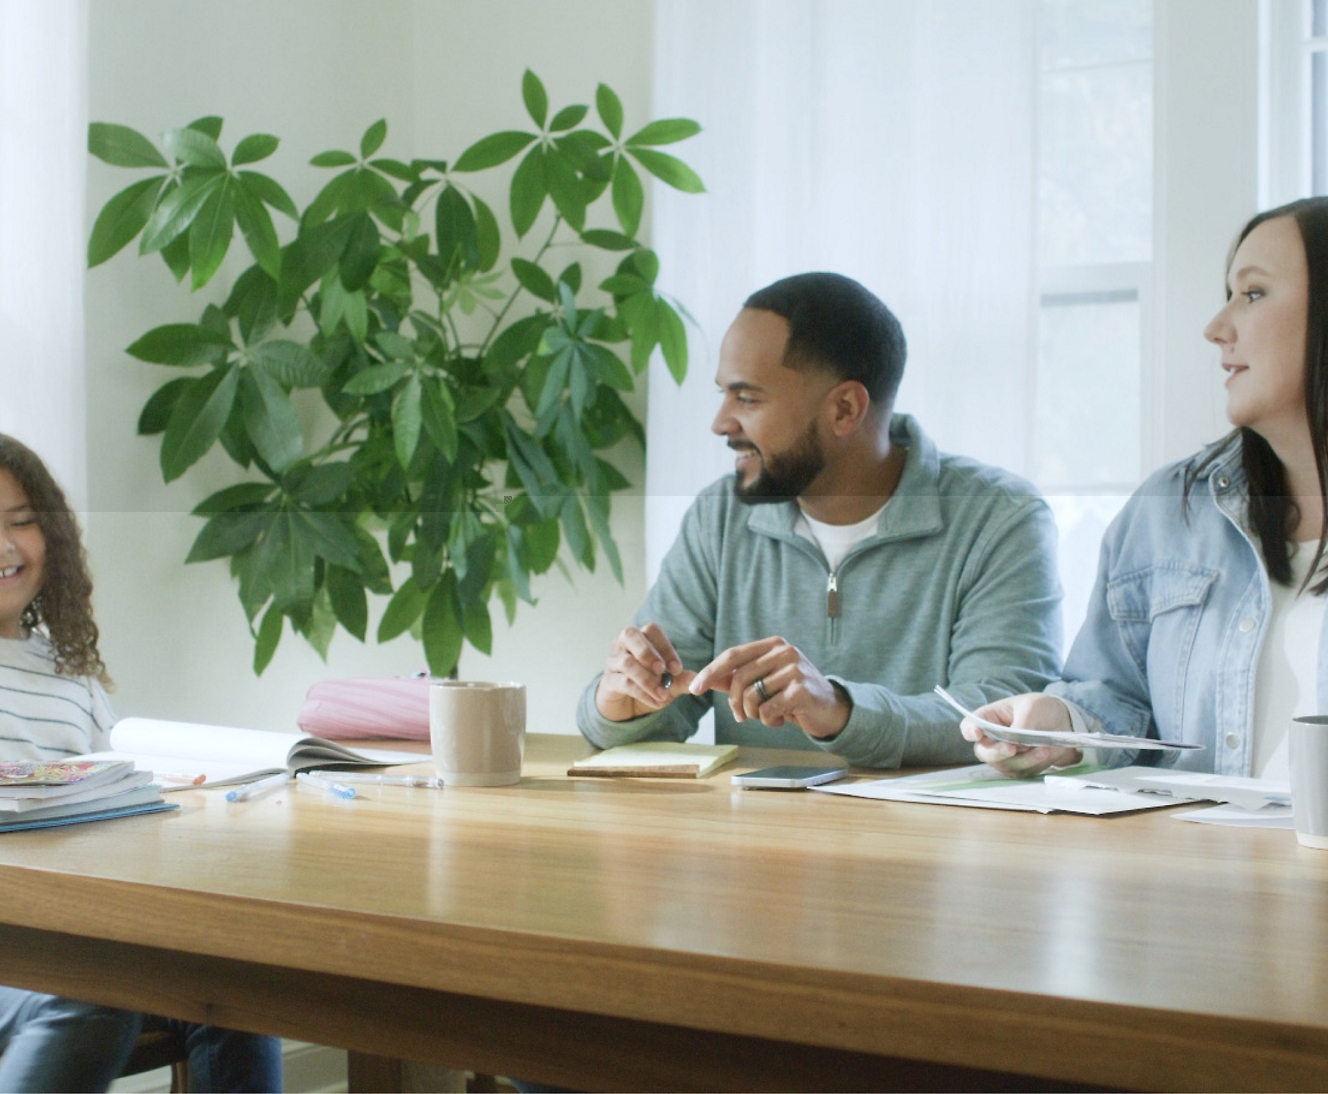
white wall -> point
(315, 73)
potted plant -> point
(468, 398)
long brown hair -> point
(63, 608)
(1271, 511)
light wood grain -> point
(1130, 951)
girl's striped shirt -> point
(45, 716)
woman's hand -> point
(1032, 711)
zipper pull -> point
(832, 597)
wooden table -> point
(675, 934)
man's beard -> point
(783, 475)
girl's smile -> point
(22, 555)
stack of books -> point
(43, 794)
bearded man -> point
(815, 597)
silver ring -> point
(759, 685)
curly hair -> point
(63, 608)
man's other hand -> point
(772, 681)
(633, 680)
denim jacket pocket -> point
(1157, 611)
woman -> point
(1206, 621)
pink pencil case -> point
(368, 706)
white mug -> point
(478, 732)
(1308, 741)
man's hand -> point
(1032, 711)
(632, 682)
(791, 688)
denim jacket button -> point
(1246, 625)
(1231, 741)
(1222, 482)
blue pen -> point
(341, 790)
(259, 786)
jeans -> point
(225, 1059)
(51, 1043)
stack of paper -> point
(1250, 803)
(656, 759)
(37, 794)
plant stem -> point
(557, 221)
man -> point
(845, 568)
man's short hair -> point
(838, 325)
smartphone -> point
(788, 778)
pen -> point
(338, 789)
(259, 786)
(433, 782)
(176, 777)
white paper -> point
(1018, 736)
(1270, 816)
(1249, 794)
(983, 787)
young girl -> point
(53, 704)
(1207, 621)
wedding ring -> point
(759, 685)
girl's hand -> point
(1032, 711)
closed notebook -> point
(656, 759)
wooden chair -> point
(161, 1048)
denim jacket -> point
(1170, 647)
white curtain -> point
(890, 140)
(43, 122)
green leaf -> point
(197, 419)
(664, 131)
(361, 254)
(442, 628)
(121, 146)
(346, 592)
(492, 150)
(286, 560)
(488, 239)
(269, 634)
(314, 252)
(373, 138)
(243, 495)
(673, 341)
(209, 125)
(610, 109)
(376, 378)
(407, 418)
(227, 534)
(668, 169)
(598, 509)
(578, 535)
(255, 147)
(535, 97)
(270, 419)
(515, 568)
(455, 231)
(322, 623)
(402, 610)
(210, 235)
(535, 280)
(569, 117)
(542, 541)
(122, 218)
(194, 147)
(439, 419)
(157, 410)
(329, 537)
(176, 255)
(477, 626)
(476, 401)
(181, 344)
(253, 303)
(291, 364)
(256, 224)
(565, 188)
(269, 191)
(528, 191)
(606, 240)
(323, 484)
(628, 196)
(176, 211)
(333, 159)
(396, 169)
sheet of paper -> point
(1235, 789)
(1018, 736)
(982, 787)
(1270, 816)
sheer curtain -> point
(890, 140)
(43, 121)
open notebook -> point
(226, 755)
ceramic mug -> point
(478, 731)
(1308, 741)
